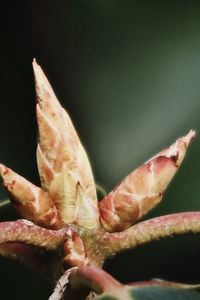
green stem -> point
(100, 190)
(4, 203)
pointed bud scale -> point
(142, 190)
(62, 160)
(63, 192)
(30, 201)
(45, 170)
(87, 212)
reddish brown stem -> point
(35, 258)
(94, 278)
(29, 233)
(84, 279)
(154, 229)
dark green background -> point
(129, 74)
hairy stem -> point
(153, 229)
(37, 259)
(29, 233)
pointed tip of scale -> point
(189, 137)
(38, 73)
(35, 66)
(43, 88)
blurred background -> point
(128, 73)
